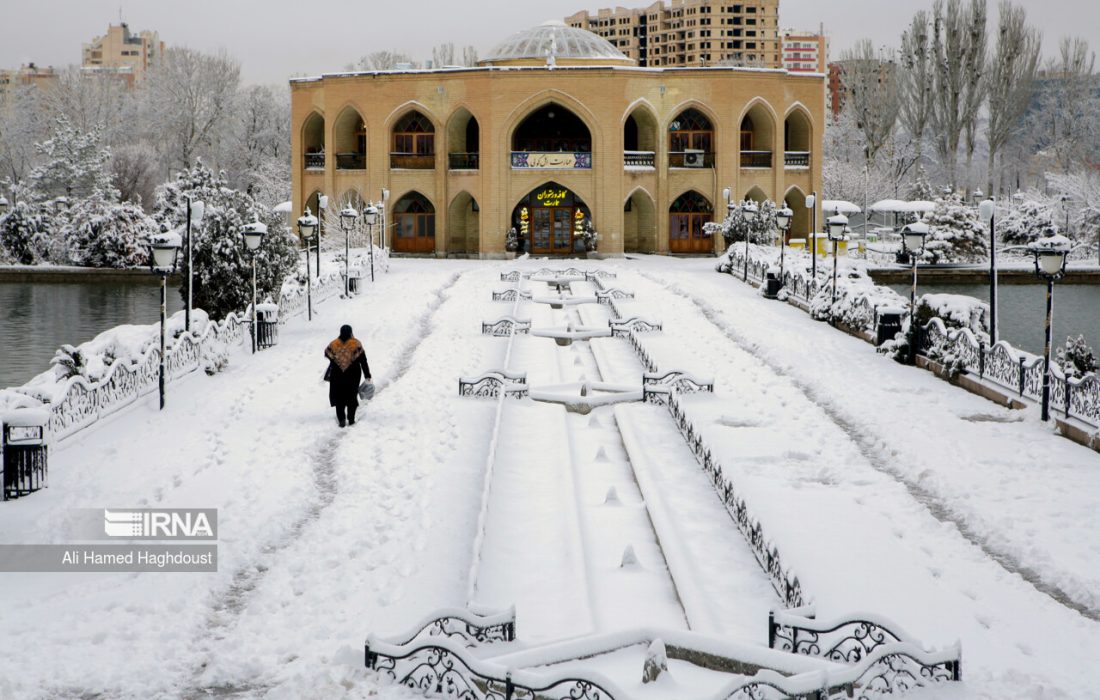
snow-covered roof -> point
(555, 39)
(283, 208)
(839, 206)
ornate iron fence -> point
(505, 326)
(1014, 370)
(511, 295)
(493, 384)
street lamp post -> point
(371, 217)
(914, 235)
(165, 249)
(348, 219)
(749, 211)
(195, 212)
(253, 236)
(837, 223)
(783, 219)
(811, 204)
(1050, 265)
(382, 213)
(322, 206)
(307, 224)
(987, 213)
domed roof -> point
(566, 44)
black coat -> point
(343, 385)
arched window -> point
(691, 140)
(413, 143)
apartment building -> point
(123, 52)
(29, 74)
(805, 52)
(691, 32)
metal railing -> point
(639, 159)
(463, 161)
(351, 161)
(756, 159)
(796, 159)
(315, 161)
(412, 161)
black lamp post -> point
(162, 262)
(837, 223)
(783, 219)
(914, 236)
(749, 212)
(307, 225)
(811, 204)
(371, 217)
(253, 236)
(1050, 264)
(348, 218)
(195, 212)
(987, 213)
(322, 205)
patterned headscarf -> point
(344, 353)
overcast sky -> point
(277, 39)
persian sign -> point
(552, 160)
(551, 197)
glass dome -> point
(566, 44)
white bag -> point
(366, 391)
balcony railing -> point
(797, 159)
(463, 161)
(315, 161)
(351, 161)
(639, 159)
(690, 159)
(412, 161)
(756, 159)
(551, 160)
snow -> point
(890, 494)
(25, 417)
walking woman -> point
(347, 363)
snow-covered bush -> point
(73, 163)
(24, 234)
(956, 311)
(955, 233)
(1029, 221)
(1077, 359)
(857, 299)
(761, 230)
(101, 233)
(223, 265)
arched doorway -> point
(640, 138)
(757, 129)
(552, 137)
(686, 218)
(551, 219)
(800, 222)
(313, 142)
(413, 142)
(639, 223)
(463, 225)
(797, 136)
(349, 135)
(414, 224)
(463, 141)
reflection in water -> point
(36, 319)
(1022, 310)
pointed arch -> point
(798, 137)
(463, 225)
(755, 194)
(641, 129)
(639, 222)
(313, 141)
(691, 136)
(757, 134)
(550, 219)
(412, 129)
(413, 224)
(349, 139)
(540, 100)
(688, 215)
(795, 199)
(463, 140)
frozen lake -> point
(38, 317)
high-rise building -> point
(805, 52)
(122, 52)
(691, 32)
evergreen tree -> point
(761, 230)
(955, 234)
(24, 237)
(1077, 358)
(223, 265)
(101, 233)
(1026, 223)
(73, 163)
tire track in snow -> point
(869, 450)
(228, 605)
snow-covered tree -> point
(102, 233)
(1011, 81)
(958, 44)
(760, 230)
(955, 233)
(915, 79)
(223, 266)
(871, 85)
(22, 124)
(1077, 359)
(382, 60)
(73, 163)
(1027, 222)
(24, 234)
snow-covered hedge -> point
(858, 299)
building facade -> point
(123, 52)
(690, 32)
(805, 52)
(26, 75)
(553, 131)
